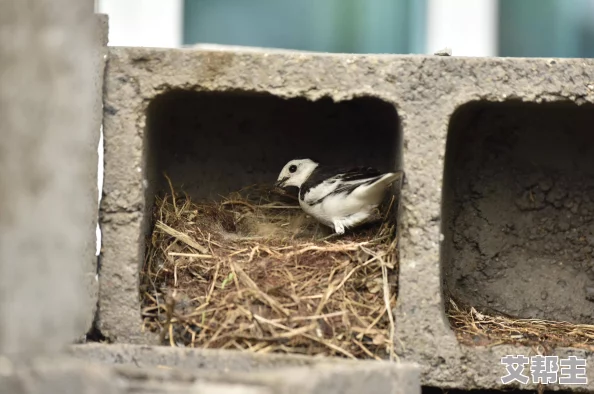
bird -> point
(339, 199)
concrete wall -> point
(49, 86)
(429, 97)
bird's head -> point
(295, 173)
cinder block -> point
(215, 119)
(476, 225)
(377, 377)
(210, 360)
(90, 272)
(267, 373)
(337, 378)
(48, 164)
(61, 375)
(236, 138)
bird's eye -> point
(293, 168)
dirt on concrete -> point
(519, 227)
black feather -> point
(321, 174)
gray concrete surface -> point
(47, 99)
(57, 375)
(352, 378)
(70, 375)
(271, 372)
(151, 126)
(211, 360)
(520, 231)
(90, 163)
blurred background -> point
(518, 28)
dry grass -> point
(252, 272)
(477, 329)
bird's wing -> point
(324, 184)
(348, 186)
(358, 174)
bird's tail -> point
(388, 178)
(376, 190)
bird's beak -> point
(281, 182)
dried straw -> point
(252, 272)
(475, 328)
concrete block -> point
(90, 270)
(179, 380)
(463, 129)
(336, 378)
(211, 360)
(61, 375)
(268, 373)
(146, 144)
(47, 162)
(376, 377)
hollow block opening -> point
(215, 143)
(251, 277)
(518, 210)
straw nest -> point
(252, 272)
(478, 329)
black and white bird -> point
(337, 199)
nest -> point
(478, 329)
(252, 272)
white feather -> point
(345, 210)
(339, 210)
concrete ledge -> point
(60, 375)
(90, 257)
(424, 91)
(355, 378)
(212, 360)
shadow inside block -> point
(216, 143)
(518, 213)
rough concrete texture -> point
(274, 374)
(101, 24)
(143, 103)
(62, 375)
(58, 376)
(47, 77)
(356, 378)
(211, 360)
(521, 224)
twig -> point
(185, 238)
(195, 255)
